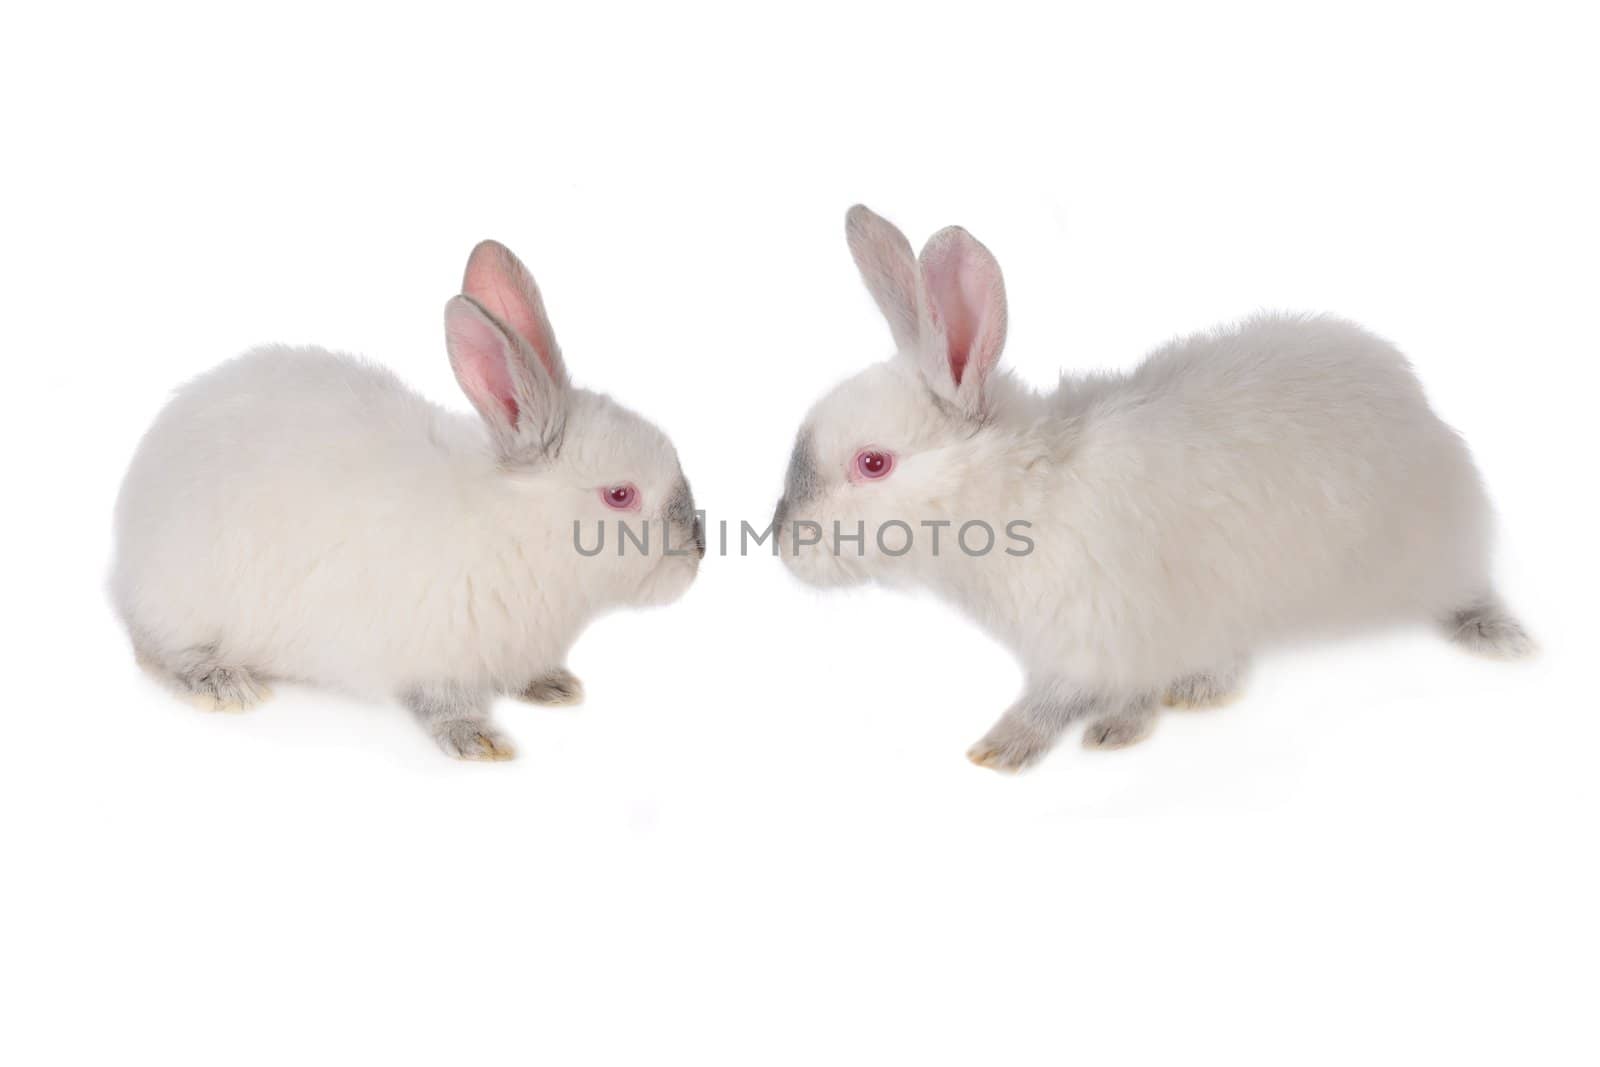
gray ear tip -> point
(952, 237)
(489, 254)
(863, 220)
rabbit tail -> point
(1487, 628)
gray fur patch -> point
(680, 505)
(802, 483)
(680, 515)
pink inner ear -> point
(960, 330)
(486, 377)
(479, 352)
(497, 280)
(965, 293)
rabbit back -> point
(1276, 479)
(294, 507)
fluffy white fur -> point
(299, 514)
(1272, 480)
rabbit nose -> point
(699, 537)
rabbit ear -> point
(965, 328)
(884, 257)
(524, 407)
(502, 286)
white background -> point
(758, 842)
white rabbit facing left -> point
(300, 514)
(1274, 480)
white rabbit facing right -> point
(1148, 531)
(299, 514)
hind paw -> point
(225, 689)
(557, 688)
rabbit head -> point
(572, 465)
(904, 443)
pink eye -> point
(870, 463)
(620, 497)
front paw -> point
(471, 739)
(1010, 747)
(1203, 689)
(558, 688)
(1118, 731)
